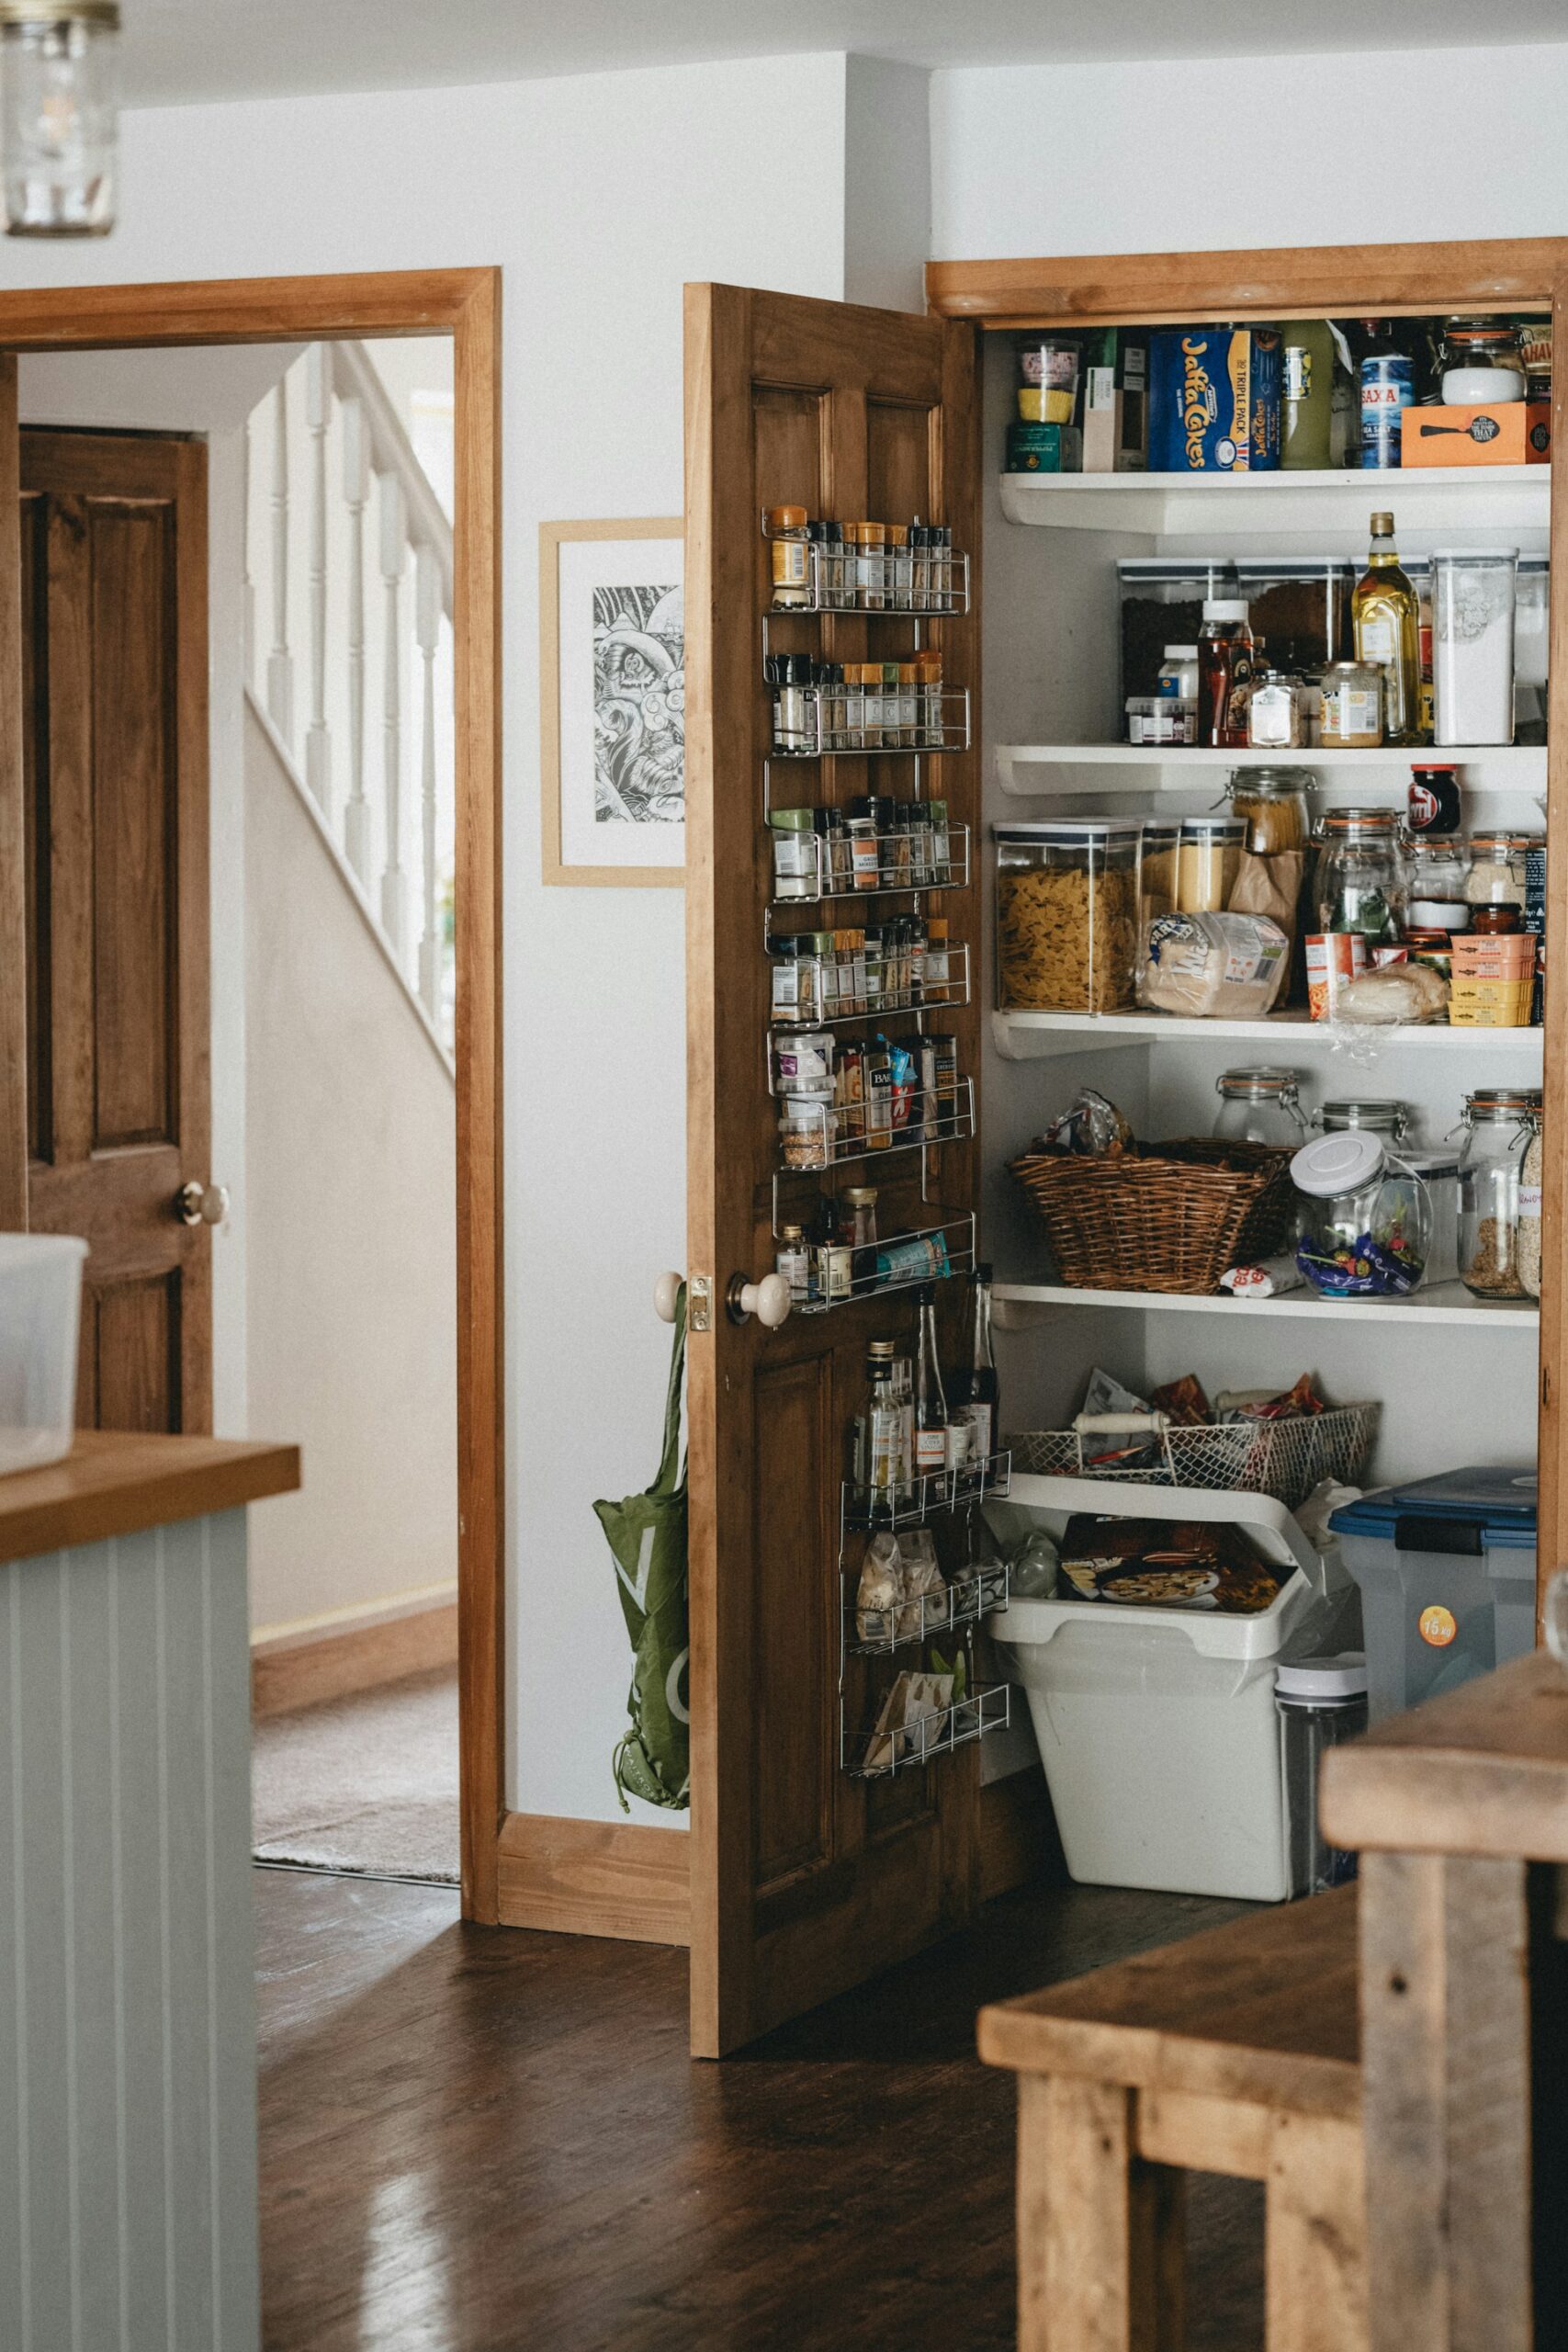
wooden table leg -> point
(1099, 2232)
(1446, 2072)
(1317, 2255)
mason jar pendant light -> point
(58, 116)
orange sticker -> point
(1436, 1625)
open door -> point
(804, 1878)
(13, 826)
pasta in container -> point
(1067, 915)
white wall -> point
(1379, 148)
(598, 198)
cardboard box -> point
(1510, 433)
(1214, 395)
(1045, 449)
(1116, 402)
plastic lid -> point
(1068, 829)
(1342, 1677)
(1476, 555)
(1342, 1163)
(1225, 608)
(1181, 654)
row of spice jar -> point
(876, 843)
(837, 707)
(842, 1100)
(897, 967)
(863, 567)
(835, 1253)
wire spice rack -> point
(921, 1499)
(932, 1254)
(963, 1600)
(902, 582)
(910, 1745)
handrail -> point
(391, 452)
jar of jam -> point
(1496, 921)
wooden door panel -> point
(804, 1878)
(115, 753)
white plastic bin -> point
(1157, 1726)
(40, 1319)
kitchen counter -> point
(115, 1484)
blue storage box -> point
(1214, 399)
(1447, 1572)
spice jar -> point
(1352, 707)
(803, 1065)
(1359, 881)
(870, 567)
(1436, 876)
(1207, 859)
(1363, 1218)
(1067, 914)
(795, 854)
(792, 1258)
(1500, 1124)
(1260, 1105)
(1497, 868)
(1274, 715)
(865, 850)
(807, 1130)
(1226, 654)
(795, 980)
(792, 574)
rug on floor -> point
(366, 1784)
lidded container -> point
(1482, 363)
(1260, 1105)
(1300, 606)
(1156, 868)
(1533, 632)
(1162, 605)
(1497, 869)
(1363, 1217)
(1473, 645)
(1359, 882)
(1272, 802)
(1067, 914)
(1322, 1701)
(1378, 1114)
(1498, 1259)
(1436, 879)
(1207, 859)
(1048, 376)
(1276, 712)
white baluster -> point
(248, 610)
(394, 881)
(427, 631)
(318, 416)
(356, 492)
(280, 662)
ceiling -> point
(179, 51)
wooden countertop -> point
(115, 1485)
(1481, 1770)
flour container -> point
(1447, 1572)
(41, 1317)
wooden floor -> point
(480, 2141)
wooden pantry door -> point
(113, 627)
(804, 1879)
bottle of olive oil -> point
(1385, 614)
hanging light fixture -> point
(58, 116)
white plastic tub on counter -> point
(40, 1318)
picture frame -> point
(612, 686)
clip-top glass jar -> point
(1360, 883)
(1261, 1106)
(1363, 1218)
(1482, 362)
(1380, 1116)
(1500, 1123)
(1497, 871)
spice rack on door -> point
(916, 582)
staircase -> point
(382, 794)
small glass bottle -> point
(871, 691)
(795, 854)
(930, 1403)
(860, 1200)
(865, 852)
(791, 564)
(871, 568)
(901, 564)
(938, 960)
(792, 1258)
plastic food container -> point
(1473, 645)
(1067, 914)
(1322, 1702)
(1447, 1572)
(1363, 1218)
(40, 1321)
(1162, 604)
(1207, 859)
(1300, 606)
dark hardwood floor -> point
(475, 2140)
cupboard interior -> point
(1451, 1393)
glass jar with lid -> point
(1379, 1114)
(1497, 868)
(1275, 716)
(1350, 717)
(1363, 1217)
(1436, 880)
(1207, 859)
(1495, 1256)
(1067, 914)
(1272, 804)
(1482, 362)
(1260, 1105)
(1359, 880)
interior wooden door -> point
(804, 1879)
(115, 772)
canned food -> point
(1334, 958)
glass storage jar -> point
(1482, 362)
(1500, 1123)
(1275, 715)
(1363, 1218)
(1436, 876)
(1350, 715)
(1067, 914)
(1358, 883)
(1380, 1116)
(1261, 1106)
(1272, 804)
(1496, 877)
(1207, 859)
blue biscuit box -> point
(1214, 399)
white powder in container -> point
(1473, 645)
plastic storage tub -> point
(1447, 1572)
(40, 1318)
(1157, 1726)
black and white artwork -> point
(622, 685)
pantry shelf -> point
(1035, 771)
(1021, 1306)
(1042, 1036)
(1428, 498)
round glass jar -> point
(1482, 362)
(1067, 914)
(1379, 1116)
(1352, 717)
(1497, 868)
(1207, 859)
(1363, 1221)
(1437, 879)
(1261, 1106)
(1272, 804)
(1500, 1124)
(1275, 717)
(1359, 880)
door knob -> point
(666, 1294)
(201, 1204)
(767, 1300)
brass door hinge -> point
(699, 1302)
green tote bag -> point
(647, 1535)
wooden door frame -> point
(1364, 281)
(466, 304)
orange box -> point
(1513, 433)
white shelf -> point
(1022, 1305)
(1426, 497)
(1040, 1037)
(1036, 770)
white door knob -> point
(666, 1296)
(201, 1204)
(767, 1300)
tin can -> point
(1334, 958)
(1388, 385)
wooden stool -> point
(1236, 2052)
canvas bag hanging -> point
(647, 1535)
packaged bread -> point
(1213, 966)
(1394, 992)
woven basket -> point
(1170, 1217)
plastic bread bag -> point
(877, 1597)
(1394, 992)
(1229, 967)
(922, 1593)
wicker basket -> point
(1285, 1459)
(1170, 1217)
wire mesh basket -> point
(1285, 1459)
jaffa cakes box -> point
(1214, 396)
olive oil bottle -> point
(1385, 614)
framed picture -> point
(612, 687)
